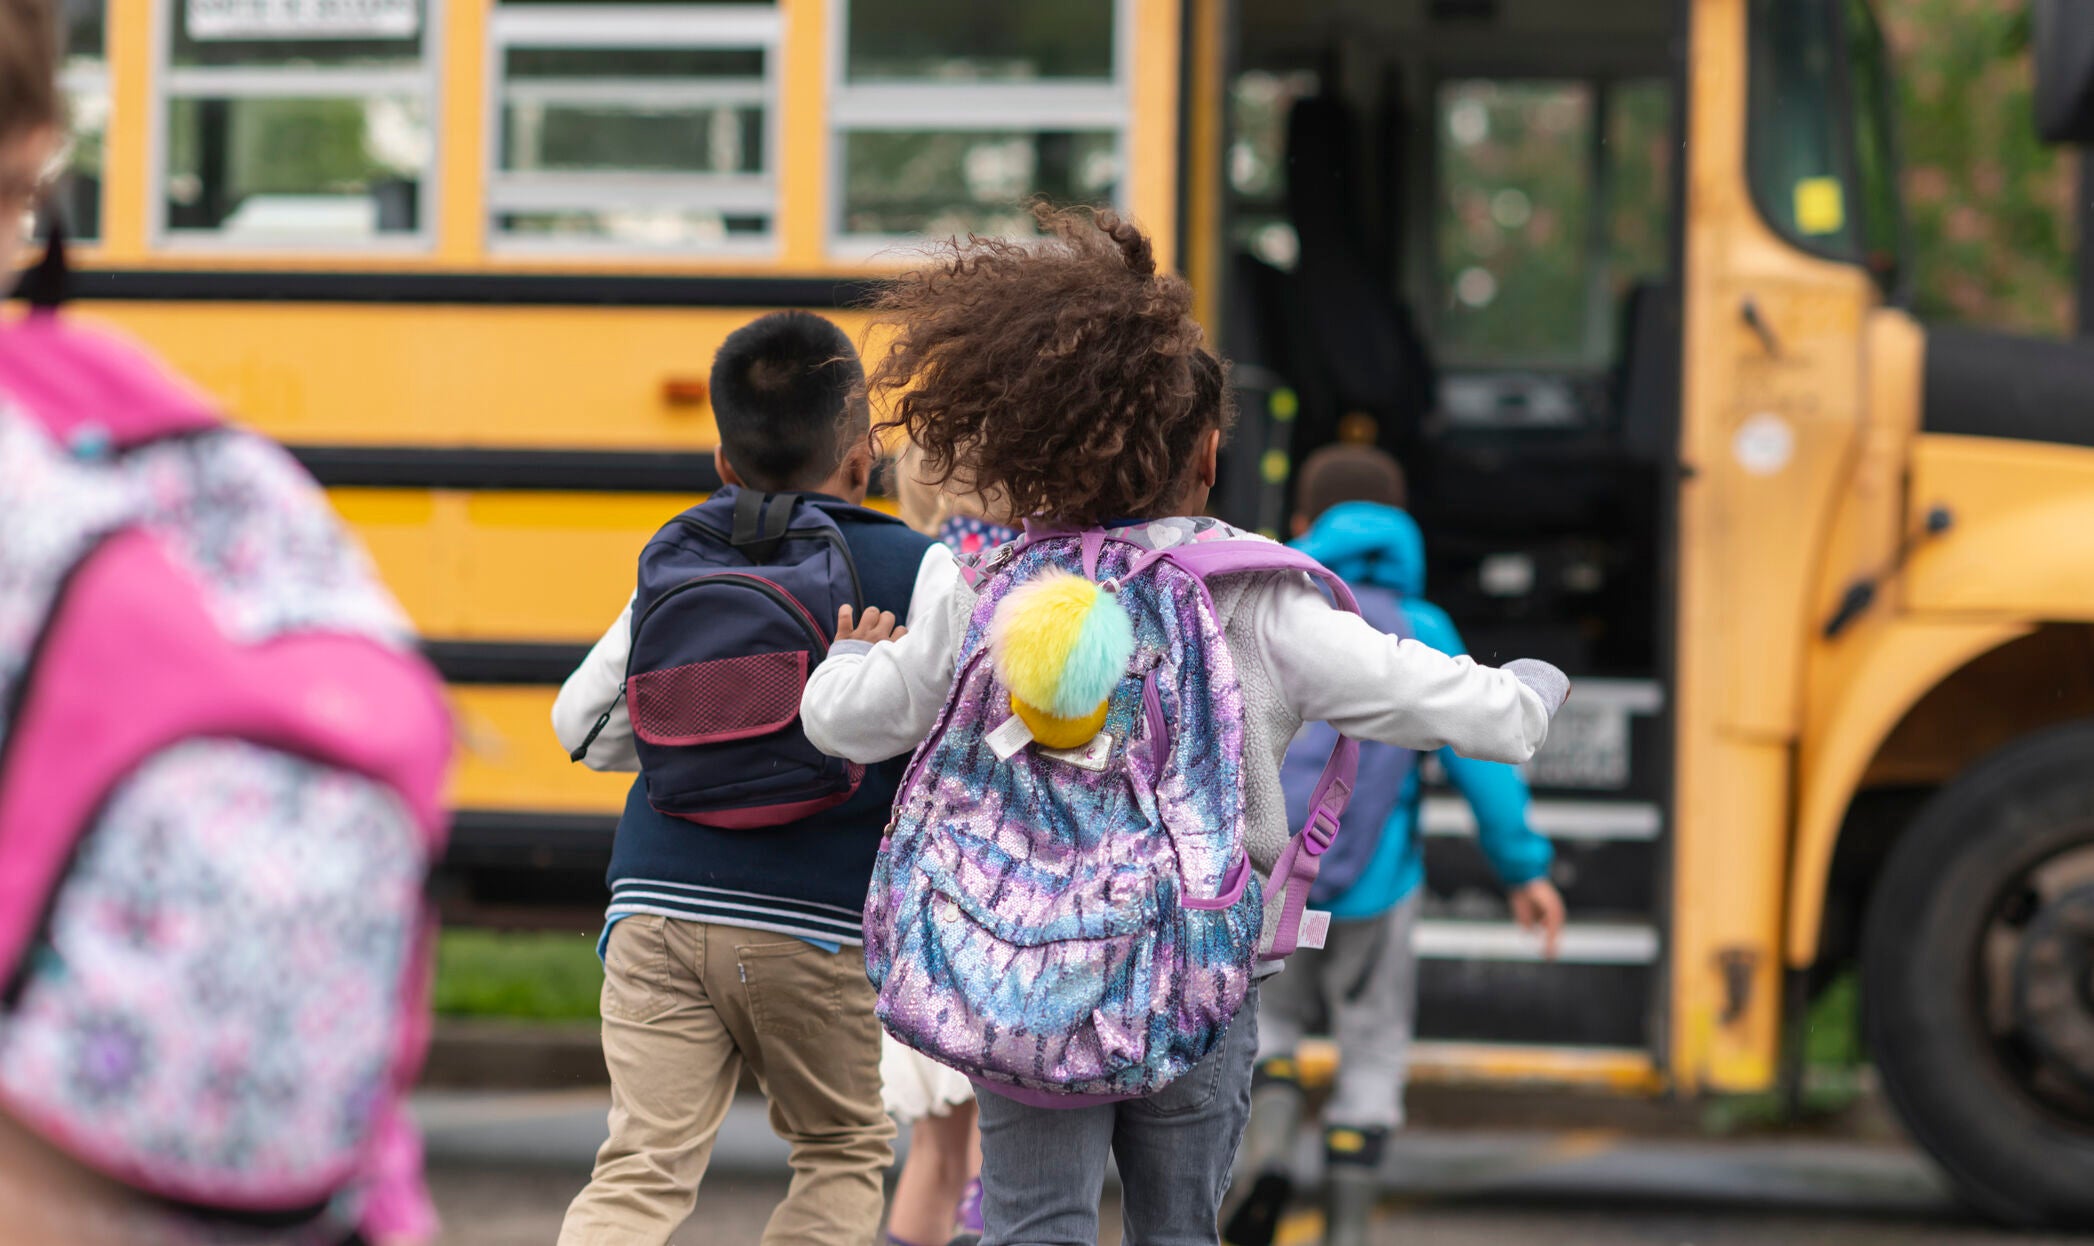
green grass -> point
(1833, 1064)
(525, 977)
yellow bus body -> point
(1776, 729)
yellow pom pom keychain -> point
(1061, 644)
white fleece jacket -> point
(1298, 658)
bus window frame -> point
(167, 81)
(1896, 284)
(1849, 245)
(1072, 105)
(710, 27)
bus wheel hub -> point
(2054, 983)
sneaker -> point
(1352, 1182)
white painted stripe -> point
(715, 906)
(853, 939)
(623, 883)
(1557, 819)
(1583, 943)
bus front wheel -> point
(1978, 979)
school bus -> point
(1620, 282)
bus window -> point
(1638, 165)
(1794, 170)
(951, 113)
(296, 125)
(1820, 152)
(85, 79)
(1259, 104)
(634, 127)
(1516, 210)
(966, 40)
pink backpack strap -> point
(1295, 872)
(92, 389)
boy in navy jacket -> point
(730, 946)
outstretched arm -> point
(1333, 666)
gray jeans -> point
(1361, 988)
(1043, 1169)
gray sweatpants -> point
(1361, 988)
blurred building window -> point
(1260, 101)
(635, 126)
(1517, 199)
(952, 114)
(296, 123)
(84, 76)
(1554, 203)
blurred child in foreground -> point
(1361, 986)
(155, 957)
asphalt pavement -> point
(504, 1166)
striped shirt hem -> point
(803, 919)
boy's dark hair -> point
(787, 392)
(1348, 473)
(1065, 373)
(29, 98)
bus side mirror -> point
(2062, 32)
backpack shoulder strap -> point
(760, 521)
(1295, 872)
(1244, 555)
(91, 389)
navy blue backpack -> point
(1383, 770)
(737, 604)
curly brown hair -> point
(1065, 373)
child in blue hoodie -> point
(1361, 986)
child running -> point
(731, 936)
(1362, 985)
(1065, 906)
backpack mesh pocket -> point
(714, 702)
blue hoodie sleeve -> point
(1495, 791)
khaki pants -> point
(684, 1004)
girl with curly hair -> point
(1067, 377)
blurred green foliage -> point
(1990, 207)
(527, 976)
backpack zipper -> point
(742, 579)
(755, 583)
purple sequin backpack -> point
(1079, 925)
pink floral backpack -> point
(221, 765)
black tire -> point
(2016, 1155)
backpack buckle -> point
(1321, 830)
